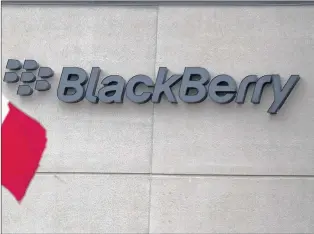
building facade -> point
(167, 168)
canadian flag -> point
(23, 141)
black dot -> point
(28, 77)
(13, 64)
(10, 77)
(30, 64)
(45, 72)
(24, 90)
(42, 85)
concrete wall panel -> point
(237, 139)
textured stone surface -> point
(232, 205)
(91, 141)
(120, 40)
(238, 139)
(79, 204)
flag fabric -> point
(23, 141)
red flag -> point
(23, 143)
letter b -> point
(71, 86)
(189, 83)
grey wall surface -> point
(164, 168)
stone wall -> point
(164, 168)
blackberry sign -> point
(196, 85)
(75, 85)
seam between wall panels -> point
(177, 174)
(153, 126)
(164, 2)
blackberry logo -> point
(196, 85)
(27, 76)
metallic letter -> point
(243, 88)
(258, 90)
(222, 89)
(113, 92)
(72, 79)
(199, 84)
(164, 86)
(281, 94)
(92, 85)
(133, 83)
